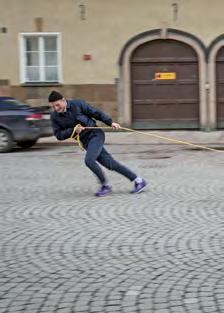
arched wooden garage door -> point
(220, 87)
(165, 86)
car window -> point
(11, 104)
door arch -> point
(220, 88)
(157, 48)
(216, 80)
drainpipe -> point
(207, 89)
(120, 113)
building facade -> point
(151, 64)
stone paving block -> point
(63, 250)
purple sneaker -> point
(104, 190)
(138, 187)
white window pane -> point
(31, 43)
(51, 58)
(32, 58)
(50, 43)
(40, 58)
(51, 73)
(32, 74)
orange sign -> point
(171, 75)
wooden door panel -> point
(165, 99)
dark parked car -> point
(22, 124)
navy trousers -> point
(96, 153)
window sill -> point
(41, 84)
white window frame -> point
(23, 58)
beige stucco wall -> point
(108, 26)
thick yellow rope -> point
(75, 137)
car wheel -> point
(26, 144)
(6, 141)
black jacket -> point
(77, 112)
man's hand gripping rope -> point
(79, 128)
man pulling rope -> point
(77, 118)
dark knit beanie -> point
(54, 96)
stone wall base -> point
(103, 96)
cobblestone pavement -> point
(63, 250)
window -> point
(40, 59)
